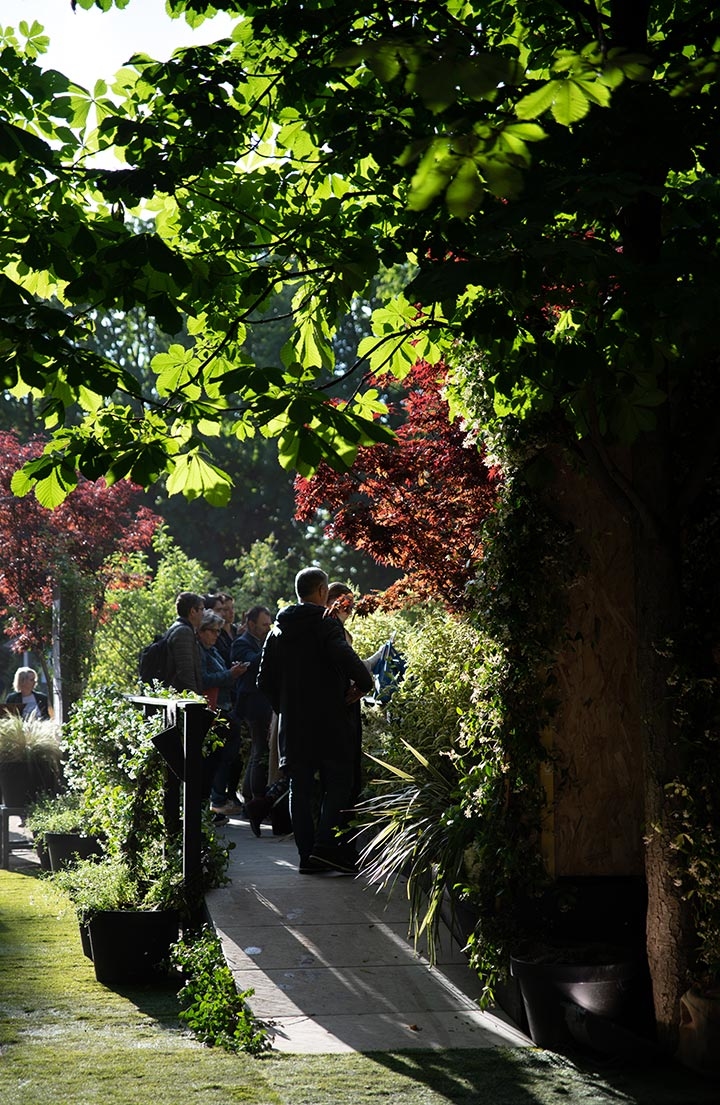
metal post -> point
(194, 729)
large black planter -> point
(65, 848)
(85, 939)
(43, 854)
(132, 945)
(552, 987)
(17, 784)
(21, 782)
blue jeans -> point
(336, 800)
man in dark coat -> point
(310, 674)
(251, 705)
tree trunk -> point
(658, 604)
(656, 554)
(73, 631)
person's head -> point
(340, 600)
(209, 629)
(190, 606)
(227, 607)
(25, 680)
(311, 585)
(213, 602)
(259, 620)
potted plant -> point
(130, 902)
(63, 829)
(576, 993)
(29, 759)
(128, 918)
(699, 1033)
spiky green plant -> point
(31, 740)
(419, 834)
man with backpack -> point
(173, 658)
(185, 667)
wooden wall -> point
(596, 827)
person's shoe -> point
(256, 810)
(220, 819)
(335, 860)
(310, 866)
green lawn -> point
(67, 1040)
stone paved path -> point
(330, 964)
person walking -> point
(340, 603)
(310, 674)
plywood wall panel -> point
(597, 819)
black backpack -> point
(155, 661)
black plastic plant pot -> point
(550, 986)
(42, 854)
(85, 939)
(17, 784)
(132, 945)
(65, 848)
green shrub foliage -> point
(458, 801)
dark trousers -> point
(256, 773)
(224, 772)
(336, 798)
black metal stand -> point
(7, 845)
(180, 745)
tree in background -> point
(57, 565)
(140, 603)
(263, 574)
(416, 506)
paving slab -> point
(330, 964)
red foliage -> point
(93, 523)
(417, 505)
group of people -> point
(212, 655)
(295, 686)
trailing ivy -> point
(113, 765)
(520, 608)
(695, 692)
(211, 1005)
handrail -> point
(180, 744)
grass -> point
(67, 1040)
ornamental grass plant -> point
(31, 740)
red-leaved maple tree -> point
(417, 505)
(93, 523)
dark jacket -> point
(250, 703)
(185, 653)
(15, 699)
(306, 670)
(224, 645)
